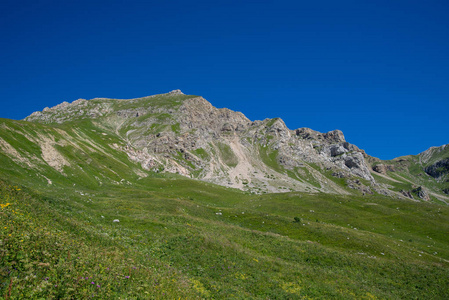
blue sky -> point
(377, 70)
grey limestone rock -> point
(380, 168)
(191, 137)
(335, 136)
(176, 92)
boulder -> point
(227, 127)
(382, 169)
(176, 92)
(336, 150)
(335, 136)
(422, 193)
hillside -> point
(184, 134)
(420, 177)
(166, 196)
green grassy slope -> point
(91, 157)
(409, 172)
(191, 239)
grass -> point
(176, 128)
(269, 158)
(47, 254)
(201, 153)
(162, 100)
(171, 240)
(271, 122)
(227, 155)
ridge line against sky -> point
(377, 70)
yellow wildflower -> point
(290, 287)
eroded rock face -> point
(337, 150)
(357, 165)
(438, 169)
(422, 193)
(428, 155)
(191, 137)
(382, 168)
(347, 157)
(335, 136)
(66, 112)
(176, 92)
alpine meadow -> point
(168, 197)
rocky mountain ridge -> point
(195, 126)
(185, 134)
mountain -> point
(185, 134)
(424, 176)
(168, 197)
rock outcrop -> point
(185, 134)
(382, 168)
(422, 193)
(438, 169)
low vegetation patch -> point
(227, 155)
(182, 238)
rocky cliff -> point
(186, 134)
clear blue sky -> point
(377, 70)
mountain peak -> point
(176, 92)
(186, 134)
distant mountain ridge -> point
(185, 134)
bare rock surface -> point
(186, 134)
(422, 193)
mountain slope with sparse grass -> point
(92, 207)
(181, 238)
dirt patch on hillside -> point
(14, 154)
(50, 155)
(244, 168)
(53, 158)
